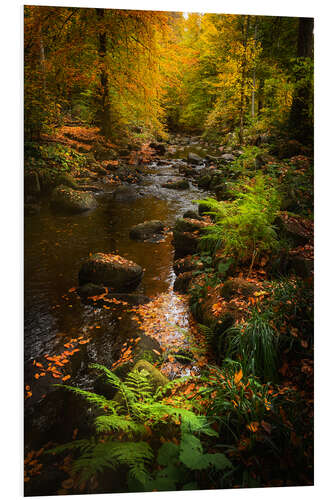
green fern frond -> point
(107, 423)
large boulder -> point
(68, 200)
(113, 271)
(146, 230)
(194, 158)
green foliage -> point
(255, 344)
(235, 403)
(53, 157)
(180, 462)
(137, 413)
(198, 291)
(244, 228)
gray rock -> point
(227, 157)
(113, 271)
(66, 199)
(194, 158)
(146, 230)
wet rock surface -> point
(111, 270)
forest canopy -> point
(147, 73)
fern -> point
(136, 411)
(108, 423)
(243, 228)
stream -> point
(56, 246)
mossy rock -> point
(204, 181)
(157, 379)
(66, 199)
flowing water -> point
(55, 247)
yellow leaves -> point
(238, 377)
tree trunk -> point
(260, 95)
(253, 94)
(104, 111)
(300, 122)
(245, 30)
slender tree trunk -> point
(253, 94)
(245, 30)
(260, 95)
(299, 120)
(104, 111)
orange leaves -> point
(217, 308)
(253, 426)
(238, 377)
(57, 362)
